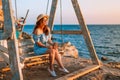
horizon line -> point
(78, 24)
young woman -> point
(42, 37)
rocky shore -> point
(108, 71)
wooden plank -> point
(28, 58)
(79, 73)
(25, 46)
(25, 49)
(34, 63)
(85, 32)
(3, 36)
(5, 69)
(67, 32)
(52, 14)
(3, 49)
(7, 17)
(14, 59)
(25, 42)
(35, 60)
(9, 29)
(4, 56)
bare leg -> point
(52, 58)
(58, 59)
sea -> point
(106, 39)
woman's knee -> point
(52, 51)
(56, 51)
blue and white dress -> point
(38, 50)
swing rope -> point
(47, 6)
(16, 9)
(61, 20)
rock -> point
(93, 78)
(118, 66)
(111, 77)
(66, 44)
(71, 53)
(1, 25)
(103, 58)
(26, 35)
(69, 50)
(1, 59)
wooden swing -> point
(27, 55)
(15, 46)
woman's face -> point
(45, 20)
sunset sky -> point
(94, 11)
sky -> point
(93, 11)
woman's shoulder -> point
(38, 32)
(37, 35)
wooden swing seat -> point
(27, 55)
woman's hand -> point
(49, 47)
(55, 45)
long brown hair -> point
(38, 24)
(46, 30)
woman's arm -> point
(40, 44)
(50, 42)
